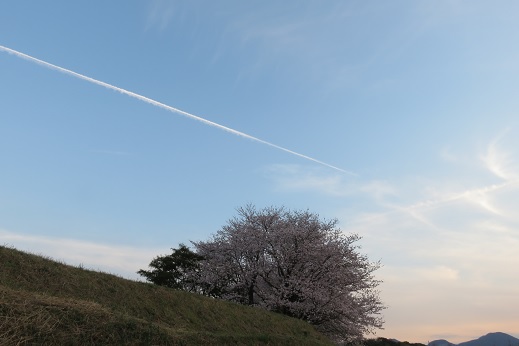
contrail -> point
(165, 106)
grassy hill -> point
(45, 302)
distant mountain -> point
(440, 342)
(491, 339)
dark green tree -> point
(177, 270)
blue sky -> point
(417, 99)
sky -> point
(398, 118)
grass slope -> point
(45, 302)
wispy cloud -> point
(429, 198)
(499, 162)
(448, 245)
(448, 155)
(160, 14)
(292, 177)
(298, 178)
(168, 108)
(112, 152)
(121, 260)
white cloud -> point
(448, 155)
(317, 180)
(160, 14)
(111, 152)
(121, 260)
(299, 178)
(448, 246)
(500, 162)
(379, 189)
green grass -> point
(44, 302)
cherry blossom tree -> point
(296, 264)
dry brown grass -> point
(31, 318)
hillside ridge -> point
(43, 301)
